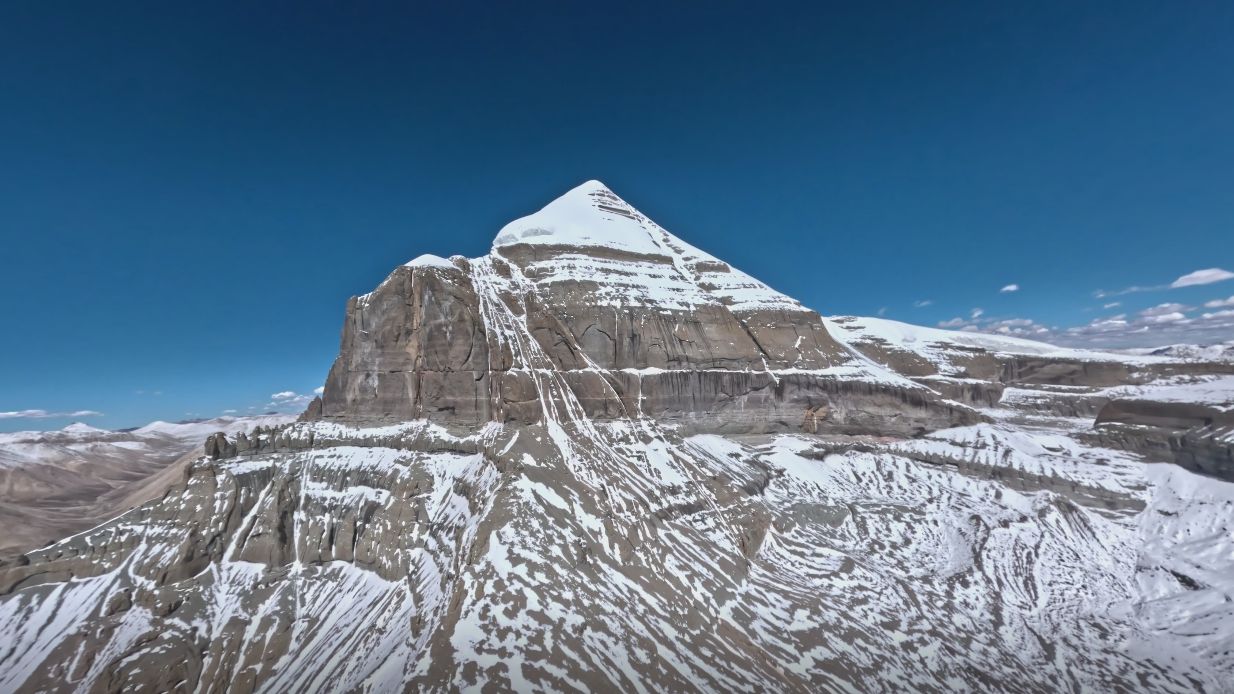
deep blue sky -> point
(189, 192)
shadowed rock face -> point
(414, 347)
(599, 459)
(1197, 436)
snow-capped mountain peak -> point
(588, 215)
(590, 235)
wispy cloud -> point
(1103, 294)
(1191, 279)
(976, 313)
(1208, 276)
(1219, 303)
(45, 414)
(1009, 288)
(319, 390)
(923, 303)
(1113, 304)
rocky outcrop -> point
(1195, 435)
(1167, 415)
(1208, 450)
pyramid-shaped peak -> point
(587, 215)
(592, 186)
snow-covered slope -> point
(598, 459)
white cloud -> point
(1159, 325)
(1113, 304)
(1174, 317)
(1191, 279)
(1017, 327)
(288, 401)
(1163, 324)
(1219, 303)
(229, 411)
(1208, 276)
(319, 390)
(44, 414)
(1010, 288)
(976, 313)
(1163, 309)
(922, 303)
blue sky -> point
(190, 194)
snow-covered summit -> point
(430, 260)
(588, 215)
(671, 273)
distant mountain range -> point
(56, 483)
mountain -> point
(599, 458)
(591, 297)
(56, 483)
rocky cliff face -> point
(600, 459)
